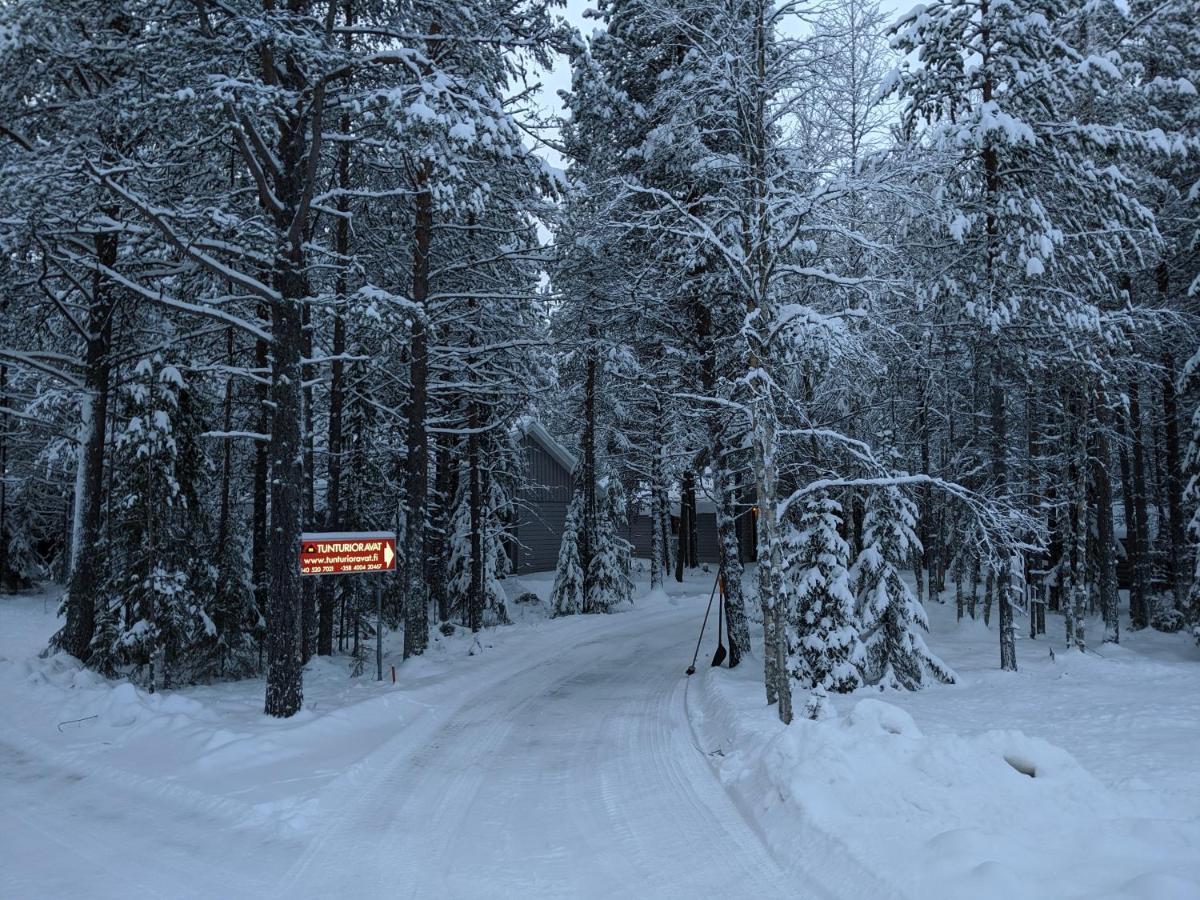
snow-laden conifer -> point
(821, 633)
(567, 596)
(608, 581)
(890, 618)
(152, 622)
(474, 585)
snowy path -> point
(574, 776)
(559, 760)
(558, 763)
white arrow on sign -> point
(388, 555)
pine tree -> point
(1040, 215)
(153, 619)
(239, 625)
(567, 596)
(474, 587)
(824, 651)
(608, 581)
(894, 652)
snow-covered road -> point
(561, 764)
(567, 758)
(575, 776)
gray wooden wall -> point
(542, 515)
(541, 510)
(706, 537)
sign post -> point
(352, 553)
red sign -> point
(347, 552)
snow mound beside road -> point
(995, 814)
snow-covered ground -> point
(572, 758)
(1076, 777)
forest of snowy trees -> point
(917, 293)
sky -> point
(559, 78)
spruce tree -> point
(608, 581)
(475, 590)
(890, 618)
(151, 618)
(821, 632)
(567, 596)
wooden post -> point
(378, 629)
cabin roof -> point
(560, 454)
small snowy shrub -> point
(1168, 620)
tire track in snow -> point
(368, 816)
(569, 777)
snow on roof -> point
(533, 428)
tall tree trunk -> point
(223, 515)
(1139, 595)
(770, 561)
(655, 517)
(664, 526)
(416, 607)
(1008, 637)
(445, 470)
(989, 592)
(285, 692)
(262, 471)
(80, 625)
(6, 579)
(1077, 491)
(991, 171)
(341, 239)
(334, 450)
(475, 595)
(681, 542)
(687, 519)
(693, 533)
(763, 420)
(588, 473)
(224, 625)
(295, 150)
(959, 599)
(1176, 529)
(308, 591)
(725, 487)
(1101, 458)
(927, 533)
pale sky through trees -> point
(559, 78)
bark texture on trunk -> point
(731, 566)
(1106, 549)
(656, 494)
(262, 470)
(1176, 529)
(416, 606)
(475, 595)
(1008, 637)
(1139, 546)
(80, 625)
(285, 692)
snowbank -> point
(996, 813)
